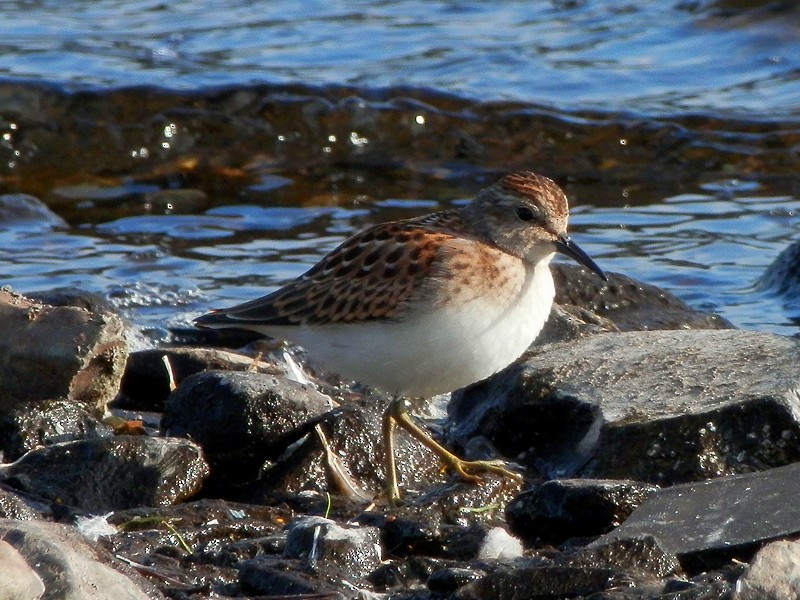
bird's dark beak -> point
(571, 249)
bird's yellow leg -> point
(397, 413)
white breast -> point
(439, 350)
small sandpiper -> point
(427, 305)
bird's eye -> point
(525, 214)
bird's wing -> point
(370, 276)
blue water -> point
(653, 57)
(161, 270)
(163, 266)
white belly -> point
(438, 351)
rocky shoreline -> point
(660, 450)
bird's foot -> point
(469, 470)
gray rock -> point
(558, 510)
(335, 551)
(58, 352)
(17, 580)
(708, 522)
(68, 566)
(112, 473)
(663, 407)
(262, 413)
(773, 574)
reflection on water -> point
(708, 247)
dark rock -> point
(629, 304)
(642, 557)
(32, 424)
(540, 582)
(18, 505)
(782, 276)
(346, 455)
(773, 574)
(69, 567)
(407, 574)
(17, 580)
(265, 577)
(146, 382)
(263, 414)
(334, 551)
(664, 406)
(109, 474)
(447, 581)
(58, 352)
(558, 510)
(706, 524)
(75, 297)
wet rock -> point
(17, 580)
(663, 407)
(27, 212)
(58, 352)
(540, 582)
(146, 382)
(111, 473)
(75, 297)
(334, 551)
(68, 566)
(262, 413)
(643, 557)
(448, 580)
(707, 523)
(782, 276)
(629, 304)
(266, 577)
(18, 505)
(773, 574)
(558, 510)
(29, 425)
(345, 456)
(404, 575)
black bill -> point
(571, 249)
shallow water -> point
(675, 124)
(708, 247)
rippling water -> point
(708, 247)
(163, 263)
(647, 56)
